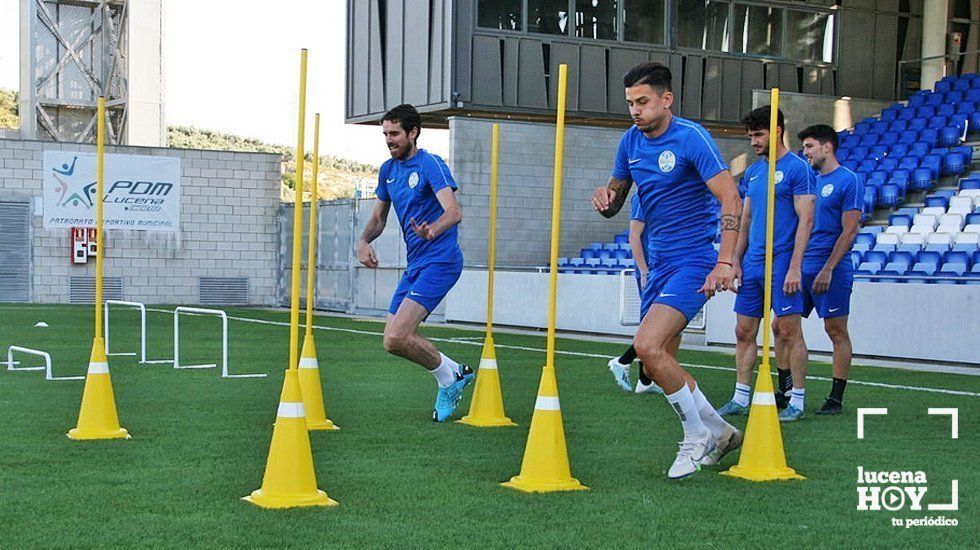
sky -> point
(233, 66)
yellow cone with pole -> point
(97, 417)
(309, 367)
(290, 480)
(487, 405)
(763, 457)
(545, 467)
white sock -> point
(683, 403)
(796, 397)
(742, 393)
(445, 373)
(711, 419)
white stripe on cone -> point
(308, 363)
(547, 403)
(488, 364)
(291, 410)
(764, 398)
(98, 368)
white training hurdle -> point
(224, 342)
(142, 353)
(47, 363)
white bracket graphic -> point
(954, 415)
(47, 363)
(224, 342)
(860, 416)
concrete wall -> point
(802, 110)
(228, 217)
(907, 321)
(526, 186)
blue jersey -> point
(411, 187)
(670, 172)
(837, 192)
(636, 213)
(794, 177)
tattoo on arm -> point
(622, 189)
(731, 222)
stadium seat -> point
(869, 268)
(966, 108)
(627, 263)
(962, 201)
(899, 177)
(916, 124)
(902, 123)
(855, 257)
(966, 151)
(966, 239)
(588, 253)
(958, 257)
(883, 247)
(619, 239)
(865, 239)
(861, 128)
(973, 219)
(876, 256)
(924, 228)
(946, 109)
(936, 98)
(621, 254)
(887, 164)
(918, 99)
(944, 239)
(928, 220)
(934, 163)
(901, 257)
(900, 219)
(951, 270)
(927, 268)
(912, 238)
(889, 238)
(889, 114)
(959, 121)
(868, 165)
(937, 122)
(920, 148)
(949, 135)
(961, 84)
(970, 183)
(976, 258)
(899, 150)
(604, 254)
(930, 136)
(926, 112)
(936, 201)
(921, 179)
(912, 249)
(891, 138)
(895, 230)
(890, 195)
(843, 154)
(942, 87)
(868, 140)
(961, 210)
(954, 220)
(879, 152)
(892, 273)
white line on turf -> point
(594, 355)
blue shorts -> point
(836, 302)
(426, 284)
(639, 290)
(675, 282)
(750, 298)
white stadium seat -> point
(961, 201)
(925, 220)
(939, 238)
(973, 193)
(952, 219)
(922, 229)
(933, 210)
(913, 238)
(896, 230)
(961, 210)
(887, 238)
(972, 228)
(967, 238)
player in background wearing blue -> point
(677, 168)
(828, 274)
(620, 367)
(793, 221)
(421, 188)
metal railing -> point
(903, 90)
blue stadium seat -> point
(964, 150)
(921, 179)
(855, 258)
(934, 163)
(899, 125)
(576, 262)
(879, 152)
(935, 200)
(891, 273)
(843, 154)
(888, 164)
(961, 85)
(908, 211)
(930, 136)
(976, 258)
(889, 138)
(900, 177)
(954, 163)
(889, 114)
(603, 254)
(912, 249)
(860, 247)
(860, 152)
(901, 257)
(900, 219)
(926, 112)
(595, 246)
(935, 99)
(920, 148)
(937, 248)
(917, 124)
(928, 259)
(959, 122)
(908, 163)
(562, 262)
(869, 268)
(973, 218)
(938, 122)
(878, 174)
(867, 140)
(954, 97)
(865, 238)
(918, 99)
(908, 136)
(970, 183)
(973, 95)
(899, 150)
(611, 246)
(950, 270)
(882, 247)
(621, 254)
(588, 253)
(851, 164)
(927, 268)
(890, 195)
(862, 128)
(619, 239)
(876, 256)
(592, 262)
(966, 108)
(946, 109)
(958, 257)
(942, 87)
(626, 263)
(974, 120)
(868, 165)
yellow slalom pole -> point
(97, 416)
(290, 478)
(309, 366)
(763, 457)
(487, 404)
(298, 219)
(545, 466)
(311, 255)
(100, 190)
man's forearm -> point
(731, 224)
(444, 222)
(372, 229)
(799, 246)
(841, 247)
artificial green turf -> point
(200, 443)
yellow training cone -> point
(97, 418)
(545, 465)
(763, 457)
(487, 405)
(289, 479)
(309, 383)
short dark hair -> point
(758, 119)
(820, 132)
(656, 75)
(407, 116)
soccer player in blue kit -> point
(620, 366)
(828, 274)
(421, 187)
(792, 223)
(677, 169)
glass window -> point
(810, 36)
(643, 21)
(595, 19)
(703, 24)
(547, 16)
(758, 30)
(503, 15)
